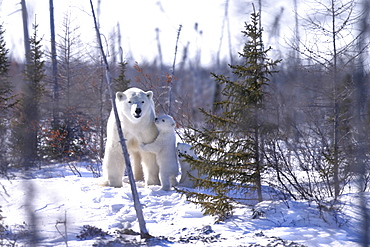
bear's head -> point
(184, 149)
(165, 123)
(134, 103)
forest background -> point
(55, 101)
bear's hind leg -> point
(173, 181)
(165, 181)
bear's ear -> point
(120, 96)
(149, 94)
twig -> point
(65, 237)
(173, 72)
(74, 170)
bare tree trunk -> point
(229, 39)
(55, 66)
(260, 19)
(173, 73)
(361, 121)
(27, 47)
(157, 30)
(296, 33)
(139, 213)
(336, 107)
(258, 162)
(119, 43)
(217, 91)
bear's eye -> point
(142, 102)
(163, 120)
(129, 102)
(185, 152)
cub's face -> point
(184, 149)
(134, 103)
(165, 122)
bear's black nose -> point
(138, 111)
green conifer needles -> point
(229, 145)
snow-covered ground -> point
(62, 203)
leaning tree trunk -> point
(143, 231)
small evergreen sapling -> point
(7, 101)
(25, 132)
(121, 83)
(6, 90)
(229, 144)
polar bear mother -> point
(136, 112)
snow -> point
(55, 195)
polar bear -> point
(164, 147)
(186, 149)
(136, 113)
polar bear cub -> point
(186, 149)
(164, 147)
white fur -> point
(164, 148)
(186, 149)
(136, 112)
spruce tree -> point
(229, 143)
(7, 101)
(6, 90)
(26, 130)
(121, 83)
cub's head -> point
(184, 149)
(134, 103)
(165, 123)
